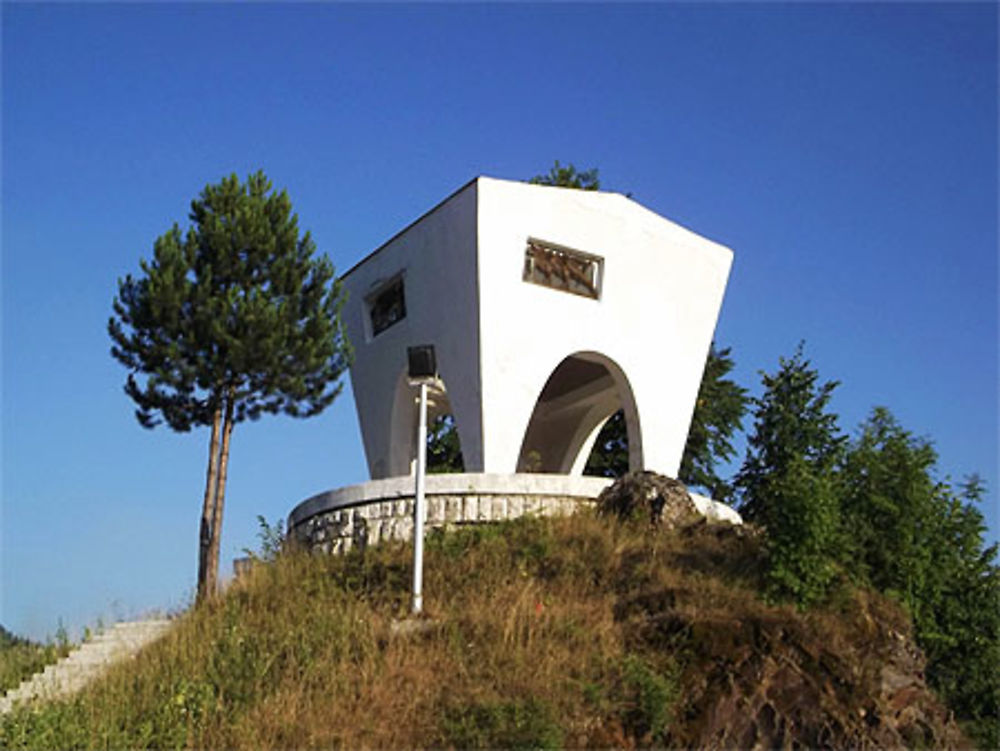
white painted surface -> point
(420, 504)
(715, 511)
(470, 483)
(477, 484)
(437, 256)
(499, 338)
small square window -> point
(562, 268)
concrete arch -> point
(405, 414)
(578, 397)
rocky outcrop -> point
(769, 686)
(754, 675)
(759, 676)
(663, 500)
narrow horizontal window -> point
(387, 306)
(561, 268)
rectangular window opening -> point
(564, 269)
(387, 306)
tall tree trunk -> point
(220, 493)
(208, 508)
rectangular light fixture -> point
(422, 362)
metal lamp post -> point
(422, 371)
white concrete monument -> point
(549, 309)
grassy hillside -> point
(577, 632)
(21, 658)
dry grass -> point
(541, 633)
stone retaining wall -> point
(367, 513)
(338, 530)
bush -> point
(521, 724)
(646, 698)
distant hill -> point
(578, 632)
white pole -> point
(419, 505)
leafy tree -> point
(921, 541)
(802, 521)
(230, 320)
(787, 481)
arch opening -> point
(581, 394)
(444, 445)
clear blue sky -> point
(847, 153)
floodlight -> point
(422, 363)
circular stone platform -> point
(367, 513)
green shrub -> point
(646, 699)
(521, 724)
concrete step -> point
(87, 662)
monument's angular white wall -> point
(437, 258)
(499, 338)
(661, 292)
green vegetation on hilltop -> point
(576, 632)
(873, 509)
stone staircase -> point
(86, 662)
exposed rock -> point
(663, 500)
(757, 675)
(778, 679)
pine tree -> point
(791, 423)
(230, 320)
(718, 416)
(788, 482)
(568, 177)
(892, 509)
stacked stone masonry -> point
(341, 529)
